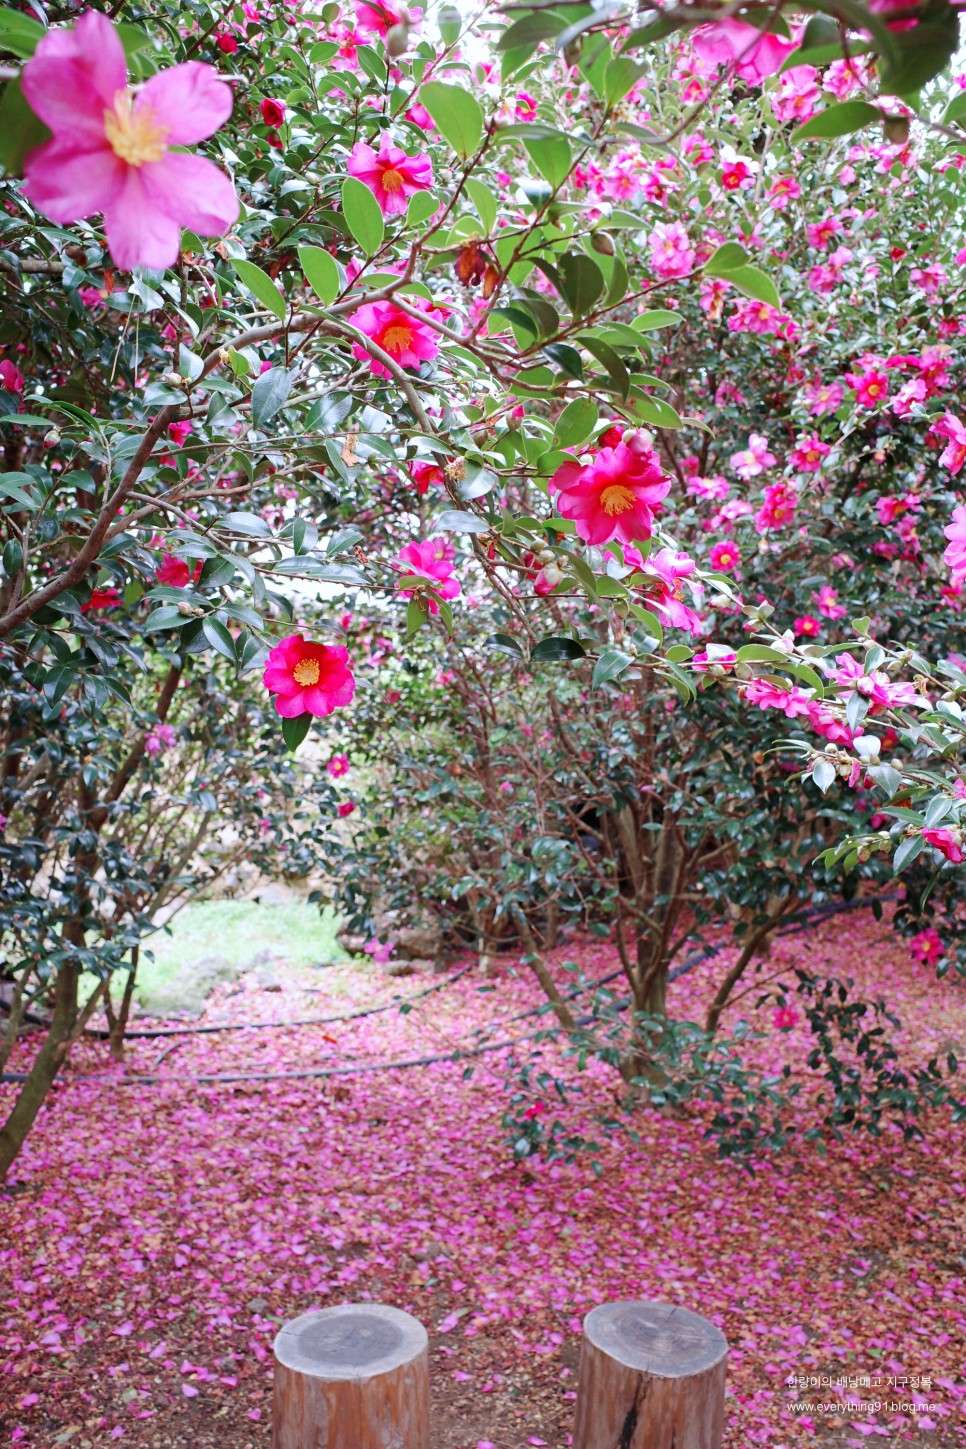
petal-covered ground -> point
(157, 1233)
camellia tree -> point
(399, 330)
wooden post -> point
(352, 1377)
(652, 1376)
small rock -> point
(399, 968)
(257, 1305)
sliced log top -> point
(350, 1341)
(656, 1337)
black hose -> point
(805, 920)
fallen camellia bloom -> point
(308, 678)
(407, 340)
(111, 148)
(754, 54)
(391, 175)
(614, 496)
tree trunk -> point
(46, 1065)
(352, 1377)
(652, 1376)
(118, 1022)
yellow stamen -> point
(397, 337)
(134, 135)
(306, 672)
(392, 180)
(617, 499)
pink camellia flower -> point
(717, 659)
(338, 766)
(273, 112)
(12, 380)
(391, 175)
(525, 107)
(420, 569)
(672, 254)
(345, 807)
(953, 456)
(426, 474)
(784, 1018)
(807, 454)
(308, 678)
(825, 600)
(926, 946)
(824, 397)
(3, 821)
(226, 43)
(807, 625)
(379, 16)
(754, 459)
(955, 555)
(179, 432)
(778, 507)
(161, 737)
(175, 573)
(111, 150)
(407, 340)
(948, 842)
(750, 52)
(871, 386)
(724, 557)
(614, 496)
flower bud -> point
(638, 440)
(397, 40)
(52, 438)
(603, 242)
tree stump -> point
(652, 1376)
(352, 1377)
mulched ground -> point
(156, 1235)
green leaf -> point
(650, 321)
(169, 616)
(457, 520)
(19, 33)
(270, 393)
(530, 30)
(484, 201)
(416, 616)
(619, 78)
(295, 730)
(422, 205)
(929, 51)
(57, 682)
(575, 423)
(21, 488)
(261, 286)
(725, 259)
(219, 638)
(581, 282)
(753, 282)
(954, 109)
(656, 412)
(610, 665)
(248, 523)
(458, 115)
(555, 648)
(505, 644)
(20, 129)
(906, 852)
(840, 120)
(823, 773)
(450, 23)
(552, 158)
(12, 558)
(321, 273)
(362, 215)
(606, 355)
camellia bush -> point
(608, 330)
